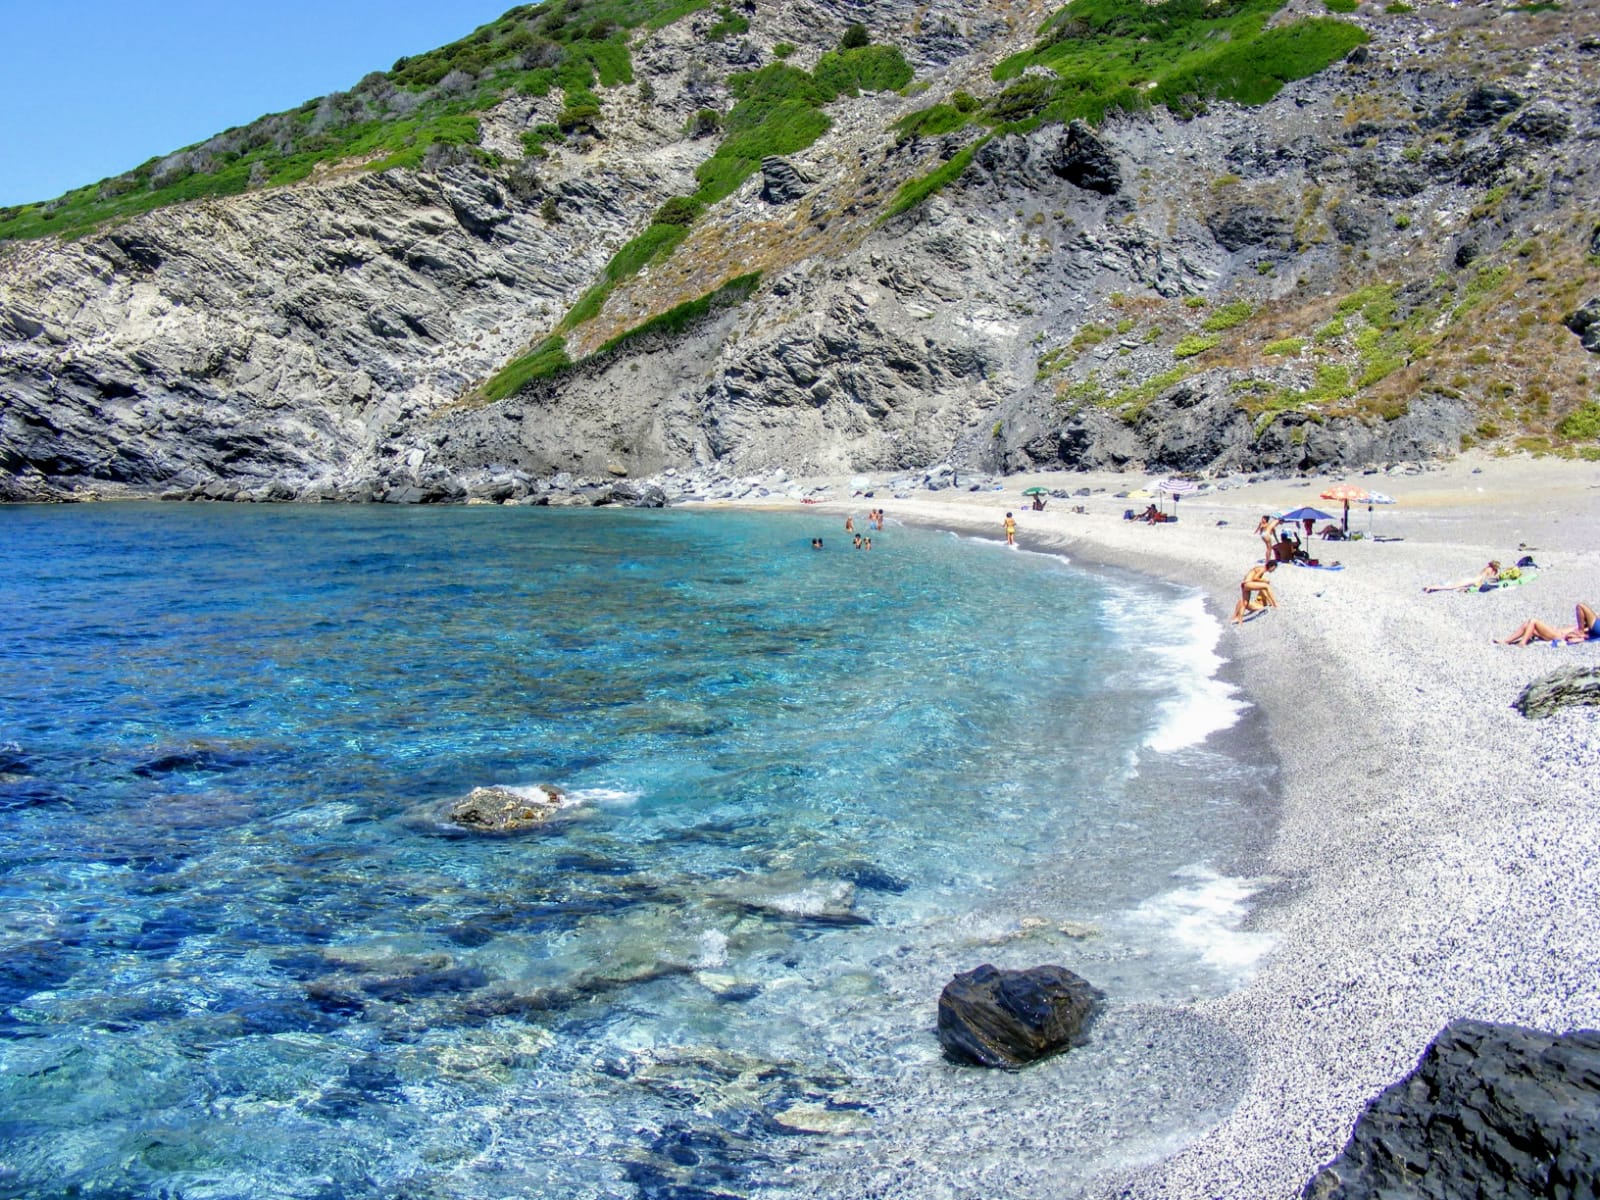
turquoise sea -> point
(243, 955)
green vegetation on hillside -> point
(391, 118)
(1101, 56)
(778, 111)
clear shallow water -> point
(240, 955)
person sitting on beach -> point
(1255, 592)
(1287, 549)
(1038, 504)
(1489, 574)
(1331, 533)
(1537, 631)
(1151, 515)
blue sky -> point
(90, 88)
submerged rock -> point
(507, 810)
(994, 1018)
(1491, 1110)
(1569, 686)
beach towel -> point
(1318, 566)
(1510, 577)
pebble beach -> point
(1437, 854)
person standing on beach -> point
(1267, 531)
(1011, 530)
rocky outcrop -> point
(994, 1018)
(1490, 1111)
(782, 182)
(506, 810)
(1550, 693)
(1586, 324)
(328, 340)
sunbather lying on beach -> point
(1538, 631)
(1255, 592)
(1489, 574)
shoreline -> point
(1432, 852)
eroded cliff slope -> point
(744, 238)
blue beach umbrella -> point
(1306, 514)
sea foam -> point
(1185, 643)
(1204, 915)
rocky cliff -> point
(1379, 261)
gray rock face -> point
(782, 182)
(994, 1018)
(327, 341)
(1560, 689)
(1083, 160)
(1492, 1111)
(1586, 324)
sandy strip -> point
(1441, 853)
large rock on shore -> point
(994, 1018)
(1490, 1111)
(1571, 685)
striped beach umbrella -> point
(1177, 489)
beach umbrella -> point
(1177, 489)
(1306, 514)
(1346, 492)
(1036, 491)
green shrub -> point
(679, 210)
(964, 102)
(1194, 344)
(930, 122)
(1287, 347)
(783, 50)
(855, 37)
(1582, 424)
(865, 69)
(548, 358)
(1341, 6)
(728, 25)
(1228, 316)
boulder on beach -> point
(506, 810)
(1491, 1110)
(994, 1018)
(1568, 686)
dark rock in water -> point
(870, 877)
(1083, 160)
(501, 810)
(994, 1018)
(1559, 689)
(638, 495)
(1490, 1111)
(1586, 324)
(782, 182)
(33, 967)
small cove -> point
(247, 959)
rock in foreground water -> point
(1491, 1110)
(506, 810)
(994, 1018)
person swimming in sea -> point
(816, 543)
